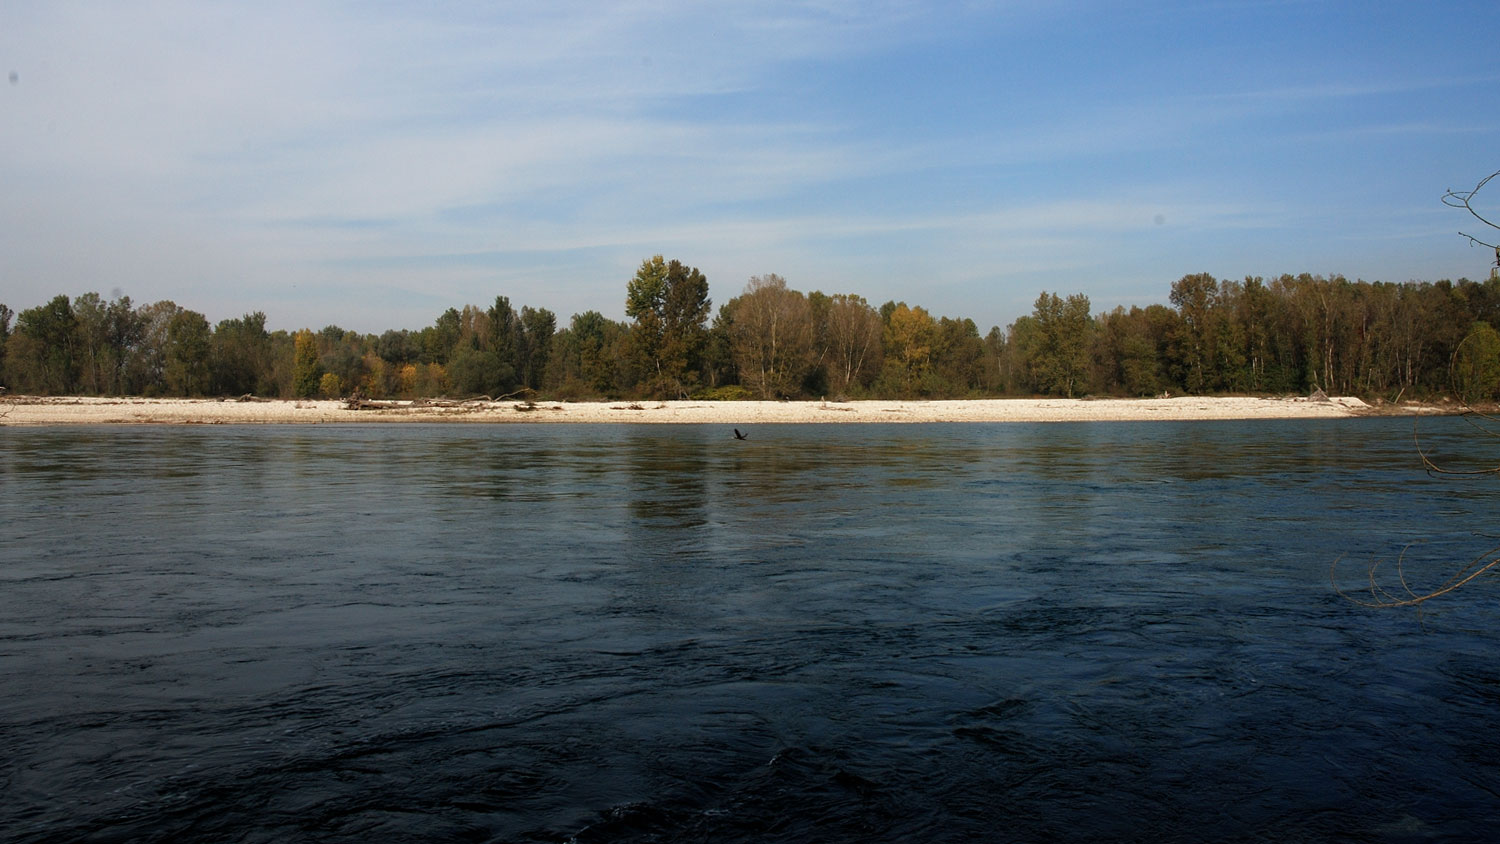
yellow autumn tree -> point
(909, 335)
(373, 384)
(406, 380)
(307, 372)
(330, 385)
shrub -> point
(729, 392)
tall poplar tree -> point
(307, 372)
(1060, 356)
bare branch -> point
(1379, 596)
(1434, 469)
(1382, 599)
(1464, 199)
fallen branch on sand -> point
(368, 404)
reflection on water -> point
(605, 633)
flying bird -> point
(739, 436)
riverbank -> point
(33, 410)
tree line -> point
(1287, 335)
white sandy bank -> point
(24, 410)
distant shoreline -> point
(33, 411)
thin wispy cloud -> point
(364, 164)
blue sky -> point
(371, 164)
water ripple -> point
(657, 633)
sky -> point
(372, 164)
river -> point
(1120, 631)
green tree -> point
(1059, 357)
(1266, 352)
(95, 362)
(538, 325)
(44, 352)
(126, 331)
(473, 371)
(342, 354)
(187, 352)
(398, 347)
(241, 356)
(504, 338)
(995, 363)
(718, 350)
(1195, 296)
(1140, 356)
(669, 303)
(438, 340)
(957, 357)
(1021, 342)
(587, 361)
(1476, 365)
(108, 337)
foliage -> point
(585, 357)
(718, 368)
(771, 336)
(307, 375)
(1288, 334)
(187, 354)
(105, 332)
(669, 303)
(729, 392)
(851, 334)
(1058, 355)
(330, 386)
(474, 372)
(907, 339)
(957, 358)
(536, 329)
(44, 355)
(1126, 356)
(239, 356)
(1476, 365)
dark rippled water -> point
(825, 633)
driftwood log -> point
(356, 403)
(359, 402)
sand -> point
(27, 410)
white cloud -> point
(220, 154)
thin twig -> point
(1480, 565)
(1381, 599)
(1464, 199)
